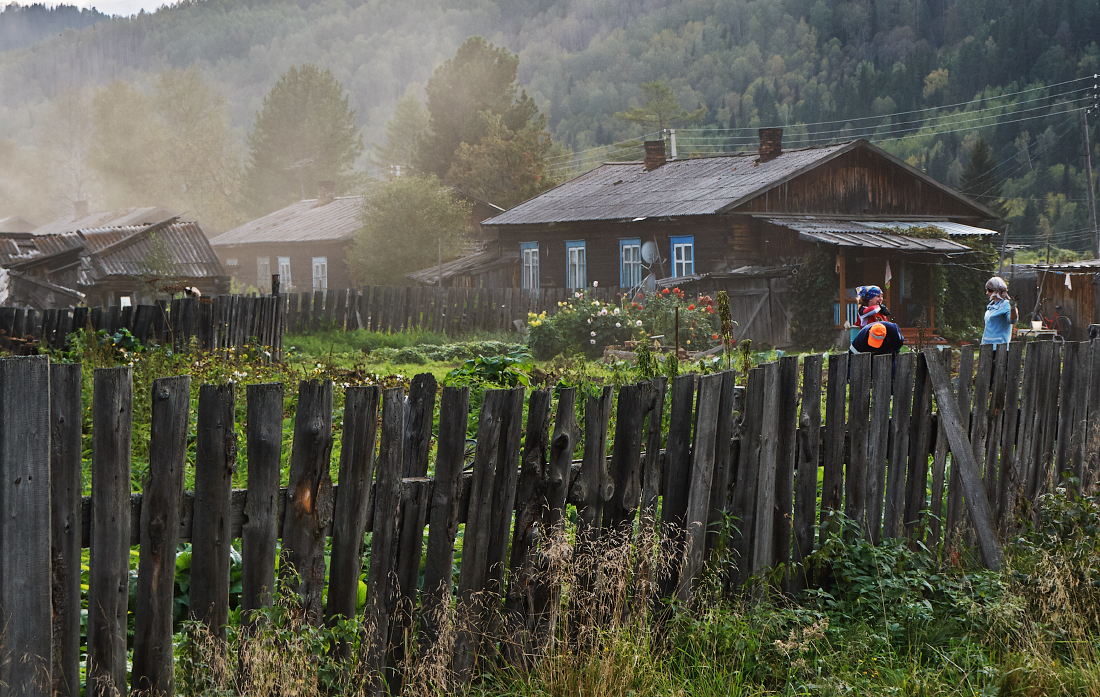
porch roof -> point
(867, 235)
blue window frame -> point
(683, 255)
(529, 253)
(630, 262)
(576, 265)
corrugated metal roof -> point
(118, 218)
(859, 234)
(478, 262)
(191, 251)
(952, 229)
(695, 186)
(304, 221)
(1083, 266)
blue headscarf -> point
(867, 292)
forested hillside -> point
(1008, 71)
(25, 25)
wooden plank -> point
(358, 435)
(1079, 429)
(1033, 472)
(878, 440)
(995, 419)
(317, 317)
(920, 441)
(516, 640)
(626, 458)
(1008, 435)
(25, 580)
(729, 421)
(264, 437)
(413, 513)
(1017, 474)
(979, 421)
(939, 469)
(160, 524)
(765, 488)
(340, 312)
(809, 439)
(974, 492)
(1067, 403)
(1044, 480)
(109, 560)
(832, 482)
(443, 515)
(899, 449)
(66, 410)
(859, 404)
(784, 468)
(955, 509)
(700, 482)
(215, 462)
(309, 498)
(384, 537)
(651, 472)
(1091, 461)
(743, 504)
(475, 545)
(677, 470)
(593, 486)
(503, 504)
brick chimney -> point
(654, 154)
(80, 209)
(326, 192)
(771, 144)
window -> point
(576, 272)
(230, 262)
(530, 253)
(284, 273)
(320, 273)
(683, 256)
(630, 263)
(263, 272)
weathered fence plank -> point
(109, 561)
(65, 524)
(899, 450)
(700, 480)
(25, 582)
(264, 438)
(878, 442)
(160, 524)
(809, 439)
(832, 482)
(855, 481)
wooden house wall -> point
(301, 262)
(1077, 303)
(858, 183)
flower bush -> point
(584, 325)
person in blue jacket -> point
(1000, 313)
(878, 338)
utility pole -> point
(1084, 120)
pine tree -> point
(979, 180)
(305, 133)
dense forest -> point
(926, 79)
(26, 25)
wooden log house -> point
(740, 222)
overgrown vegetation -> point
(812, 297)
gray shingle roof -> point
(695, 186)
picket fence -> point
(449, 311)
(750, 453)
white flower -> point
(576, 295)
(638, 323)
(590, 320)
(616, 310)
(591, 333)
(603, 312)
(618, 324)
(595, 284)
(592, 341)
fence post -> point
(109, 561)
(443, 516)
(809, 445)
(25, 609)
(387, 493)
(66, 410)
(475, 545)
(859, 404)
(259, 532)
(160, 526)
(784, 468)
(309, 497)
(360, 429)
(899, 450)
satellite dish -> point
(650, 253)
(650, 282)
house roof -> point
(850, 233)
(304, 221)
(117, 218)
(694, 186)
(477, 262)
(125, 251)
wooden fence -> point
(449, 311)
(750, 453)
(219, 323)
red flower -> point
(691, 307)
(640, 296)
(664, 292)
(710, 309)
(714, 336)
